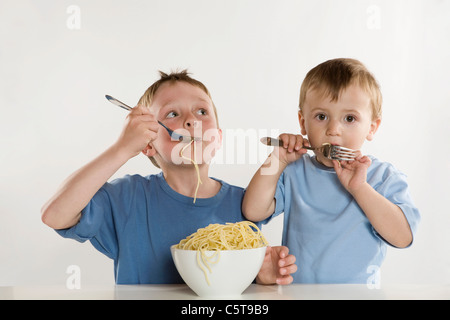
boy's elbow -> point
(401, 244)
(46, 215)
(51, 217)
(405, 242)
(248, 211)
(254, 212)
(249, 216)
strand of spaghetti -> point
(200, 253)
(194, 162)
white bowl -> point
(234, 272)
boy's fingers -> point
(292, 143)
(150, 121)
(154, 126)
(135, 110)
(140, 110)
(152, 135)
(288, 269)
(284, 280)
(365, 159)
(285, 139)
(292, 268)
(143, 114)
(306, 142)
(144, 109)
(288, 265)
(299, 145)
(337, 166)
(146, 117)
(358, 154)
(284, 252)
(289, 260)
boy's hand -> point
(291, 149)
(277, 266)
(140, 129)
(352, 174)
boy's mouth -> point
(334, 144)
(179, 137)
(190, 138)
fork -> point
(173, 134)
(330, 151)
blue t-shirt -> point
(325, 228)
(134, 220)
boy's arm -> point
(386, 217)
(63, 210)
(259, 201)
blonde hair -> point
(334, 76)
(172, 78)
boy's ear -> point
(149, 150)
(373, 128)
(301, 121)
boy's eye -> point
(201, 111)
(171, 114)
(321, 117)
(350, 118)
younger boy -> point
(134, 220)
(338, 216)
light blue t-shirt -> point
(325, 228)
(134, 220)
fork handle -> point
(278, 143)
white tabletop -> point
(254, 292)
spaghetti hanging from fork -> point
(194, 162)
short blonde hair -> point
(173, 77)
(333, 76)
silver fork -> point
(328, 150)
(173, 134)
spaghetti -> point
(194, 162)
(216, 237)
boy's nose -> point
(333, 128)
(190, 123)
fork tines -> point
(342, 153)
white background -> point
(56, 65)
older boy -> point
(338, 216)
(134, 220)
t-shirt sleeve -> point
(395, 189)
(96, 224)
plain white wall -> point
(59, 58)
